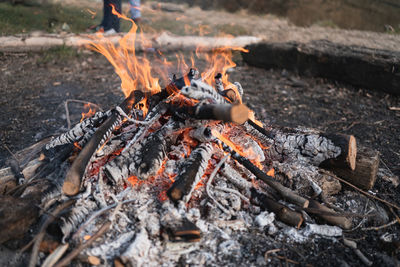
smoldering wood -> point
(285, 192)
(79, 130)
(360, 66)
(365, 173)
(74, 176)
(284, 213)
(191, 172)
(225, 112)
(143, 160)
(201, 91)
(185, 232)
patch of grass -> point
(47, 17)
(58, 53)
(327, 24)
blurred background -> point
(204, 17)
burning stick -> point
(225, 112)
(192, 170)
(73, 178)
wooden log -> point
(190, 174)
(200, 90)
(365, 173)
(360, 66)
(284, 213)
(225, 112)
(73, 177)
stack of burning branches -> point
(178, 164)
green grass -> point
(49, 18)
(58, 53)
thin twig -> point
(377, 228)
(67, 259)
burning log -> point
(79, 130)
(225, 112)
(190, 174)
(285, 214)
(142, 160)
(201, 91)
(73, 178)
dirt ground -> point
(34, 87)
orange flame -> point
(88, 114)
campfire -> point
(178, 173)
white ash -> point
(111, 249)
(138, 251)
(323, 230)
(265, 218)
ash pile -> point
(181, 177)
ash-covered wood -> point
(185, 232)
(79, 130)
(190, 173)
(73, 178)
(143, 160)
(202, 91)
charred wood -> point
(283, 191)
(202, 91)
(79, 130)
(74, 176)
(190, 174)
(142, 160)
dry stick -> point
(74, 175)
(77, 101)
(67, 259)
(367, 194)
(377, 228)
(39, 237)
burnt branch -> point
(74, 176)
(190, 174)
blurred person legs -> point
(110, 22)
(134, 6)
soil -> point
(34, 86)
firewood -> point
(190, 174)
(364, 175)
(73, 178)
(200, 91)
(186, 232)
(225, 112)
(142, 160)
(79, 130)
(284, 213)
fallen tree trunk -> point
(359, 66)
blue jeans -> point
(111, 21)
(134, 7)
